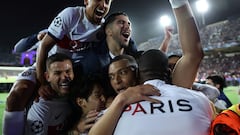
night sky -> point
(25, 17)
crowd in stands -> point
(228, 66)
(223, 34)
(7, 59)
(219, 35)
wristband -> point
(13, 120)
(178, 3)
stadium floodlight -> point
(202, 7)
(165, 21)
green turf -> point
(3, 97)
(232, 93)
(8, 80)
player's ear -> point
(46, 75)
(108, 31)
(81, 102)
(85, 2)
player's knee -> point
(19, 95)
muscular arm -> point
(47, 43)
(107, 123)
(186, 68)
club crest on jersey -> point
(57, 21)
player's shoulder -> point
(187, 91)
(73, 11)
(71, 15)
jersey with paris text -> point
(181, 112)
(73, 31)
(47, 117)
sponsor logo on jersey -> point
(180, 105)
(26, 73)
(79, 46)
(75, 45)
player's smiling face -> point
(121, 30)
(59, 75)
(96, 10)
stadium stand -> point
(221, 44)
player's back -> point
(181, 112)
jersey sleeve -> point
(64, 22)
(25, 43)
(37, 119)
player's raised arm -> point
(186, 68)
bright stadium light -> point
(165, 21)
(202, 7)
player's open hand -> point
(140, 93)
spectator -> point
(220, 83)
(227, 122)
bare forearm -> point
(164, 46)
(188, 32)
(40, 68)
(166, 41)
(189, 38)
(42, 54)
(107, 123)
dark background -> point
(25, 17)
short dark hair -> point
(111, 18)
(218, 79)
(56, 58)
(130, 58)
(174, 55)
(83, 87)
(153, 64)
